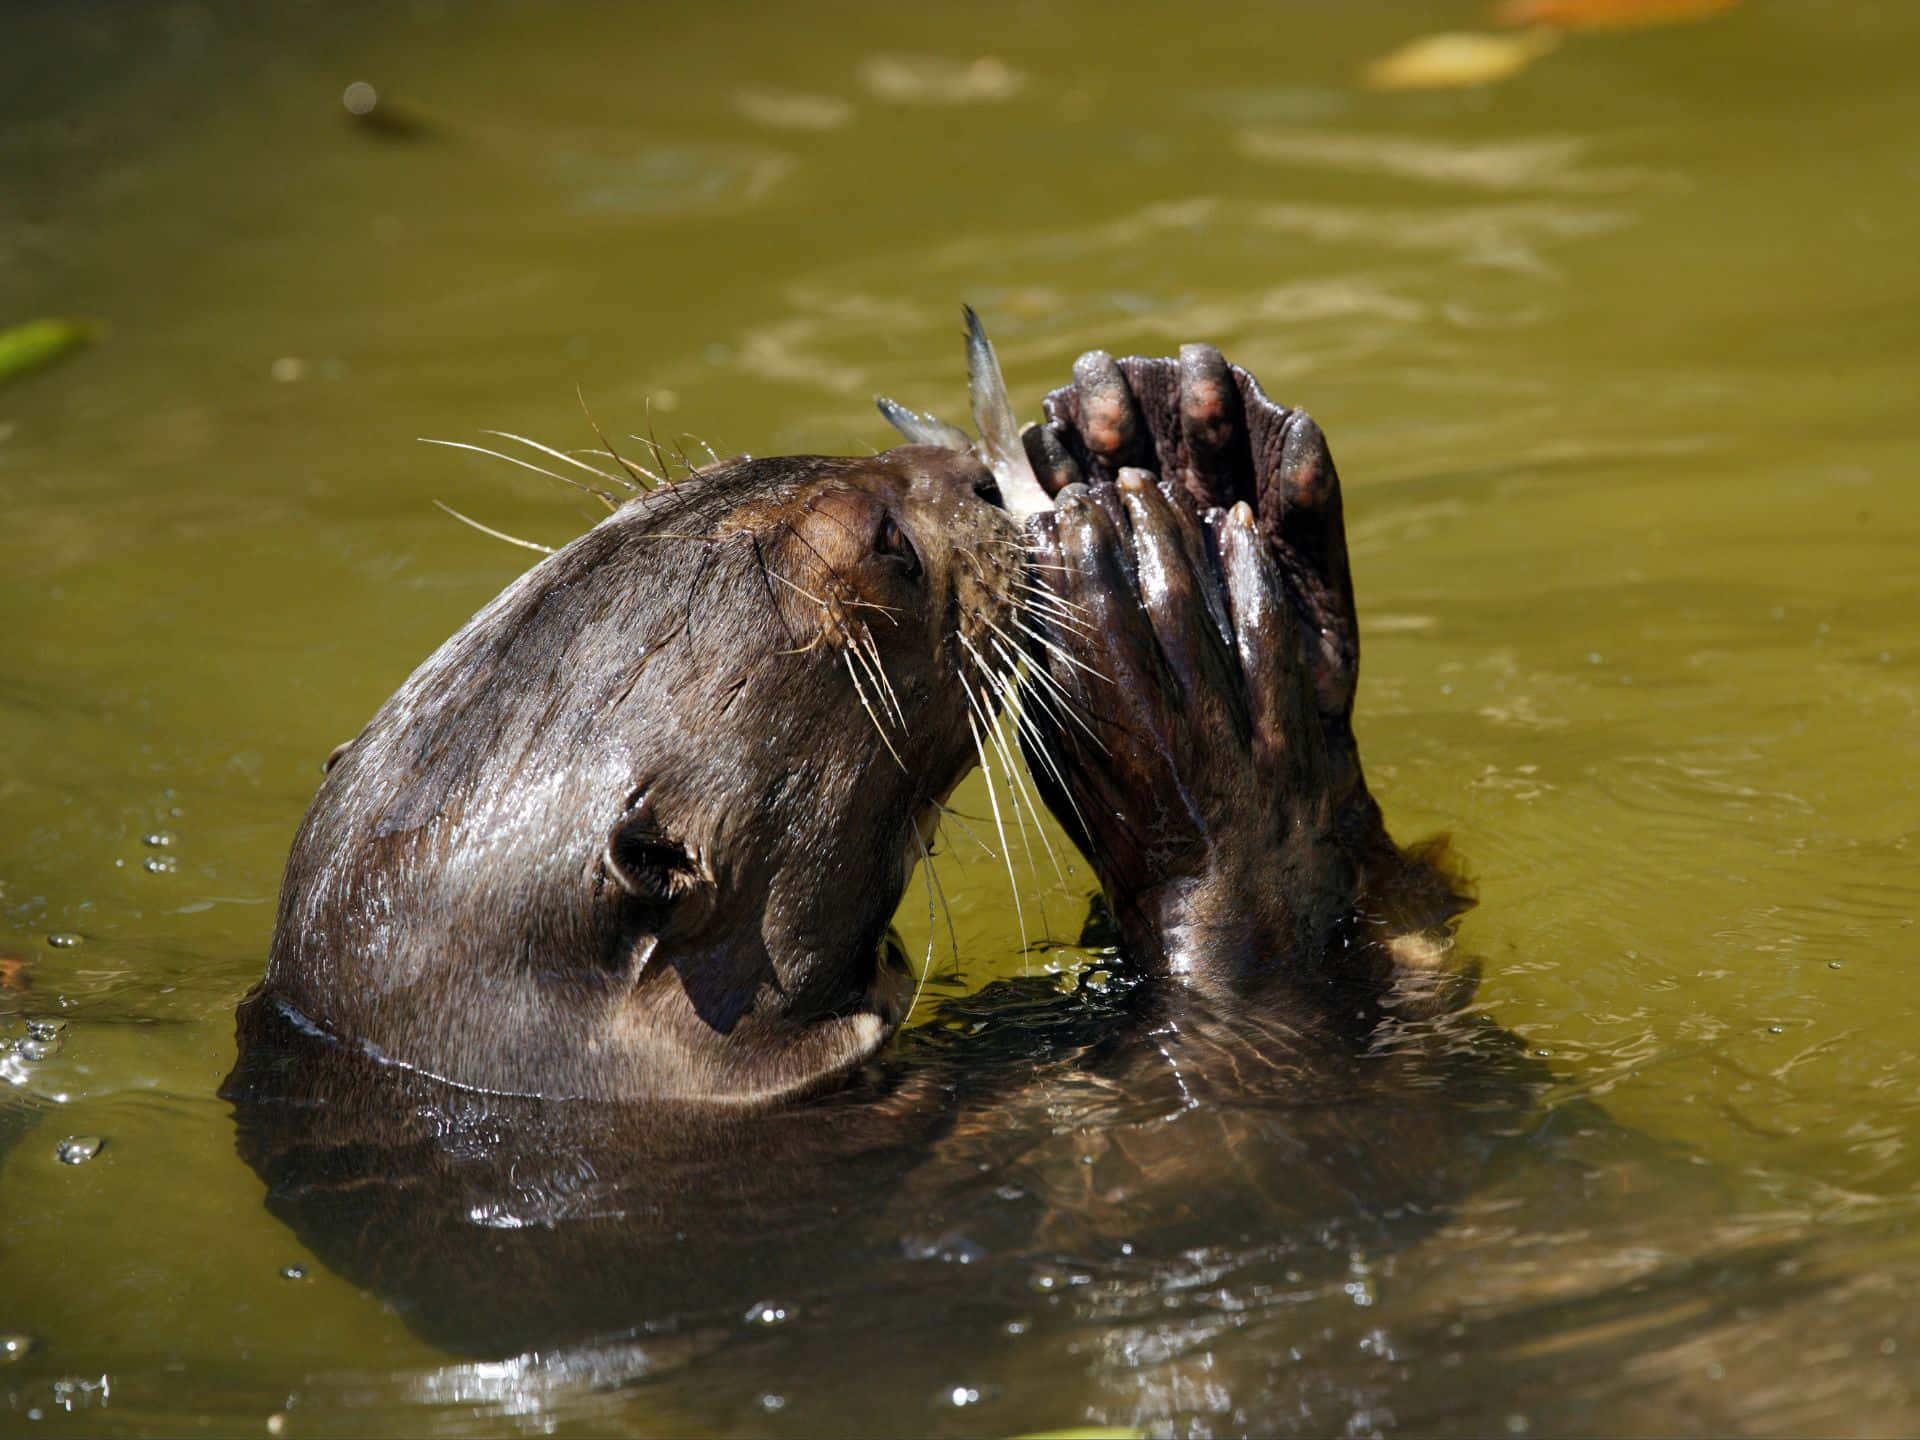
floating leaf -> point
(1607, 14)
(29, 347)
(1455, 60)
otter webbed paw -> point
(1179, 739)
(1196, 670)
(1209, 430)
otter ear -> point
(649, 864)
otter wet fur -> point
(639, 827)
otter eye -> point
(891, 541)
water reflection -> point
(1118, 1206)
(1120, 1178)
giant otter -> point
(574, 1030)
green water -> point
(1619, 360)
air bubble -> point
(964, 1395)
(157, 839)
(768, 1312)
(63, 939)
(16, 1346)
(293, 1272)
(161, 864)
(78, 1149)
(46, 1029)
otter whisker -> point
(1060, 619)
(1054, 604)
(868, 655)
(1044, 640)
(947, 812)
(652, 444)
(1015, 700)
(953, 939)
(993, 799)
(798, 589)
(1017, 789)
(1003, 684)
(600, 495)
(640, 476)
(1021, 787)
(1049, 698)
(496, 534)
(946, 909)
(880, 670)
(564, 458)
(867, 705)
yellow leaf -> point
(1454, 60)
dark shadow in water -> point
(1035, 1165)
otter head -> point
(637, 829)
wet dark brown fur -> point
(638, 828)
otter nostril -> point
(988, 489)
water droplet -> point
(161, 865)
(158, 839)
(78, 1149)
(293, 1272)
(16, 1346)
(63, 939)
(768, 1312)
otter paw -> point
(1175, 726)
(1209, 430)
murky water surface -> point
(1619, 359)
